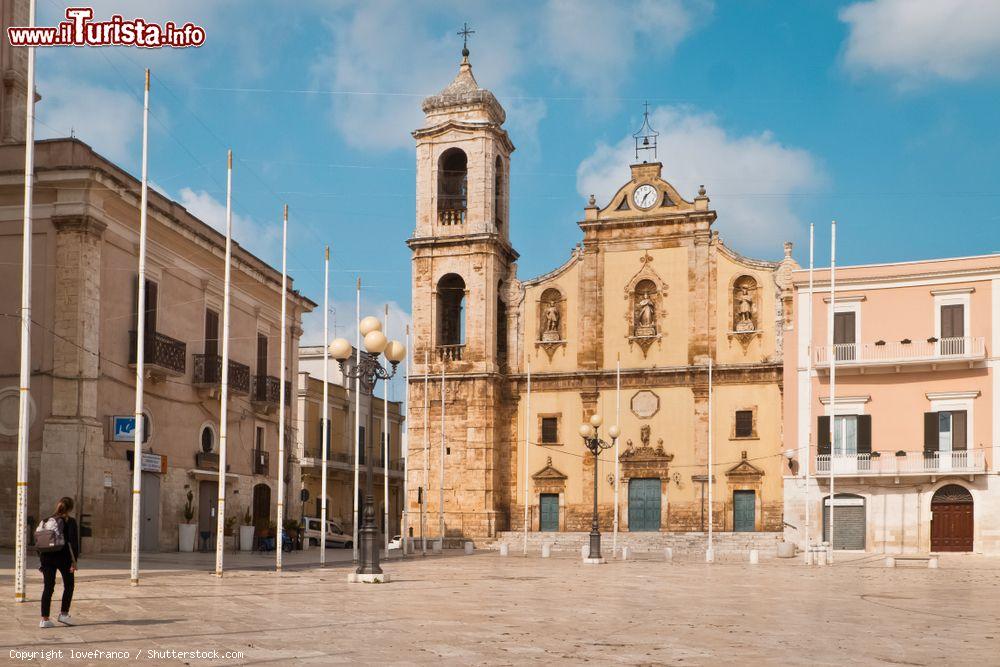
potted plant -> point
(292, 529)
(246, 532)
(186, 531)
(228, 526)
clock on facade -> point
(644, 196)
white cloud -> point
(343, 317)
(915, 41)
(262, 240)
(751, 179)
(108, 120)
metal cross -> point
(465, 32)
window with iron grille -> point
(744, 423)
(550, 430)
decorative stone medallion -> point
(645, 404)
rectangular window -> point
(211, 332)
(952, 431)
(259, 438)
(261, 354)
(744, 423)
(844, 338)
(151, 298)
(845, 434)
(550, 430)
(953, 329)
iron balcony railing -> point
(450, 352)
(161, 351)
(208, 372)
(260, 462)
(893, 464)
(267, 389)
(900, 352)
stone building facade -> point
(651, 284)
(84, 286)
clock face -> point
(644, 196)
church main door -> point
(549, 512)
(644, 505)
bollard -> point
(932, 562)
(754, 557)
(546, 549)
(469, 548)
(436, 547)
(890, 561)
(808, 554)
(504, 549)
(585, 551)
(668, 554)
(625, 553)
(709, 555)
(821, 558)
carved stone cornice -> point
(80, 223)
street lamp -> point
(591, 439)
(368, 371)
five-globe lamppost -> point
(591, 438)
(368, 371)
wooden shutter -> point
(823, 435)
(135, 302)
(211, 332)
(864, 434)
(151, 290)
(261, 354)
(550, 430)
(744, 423)
(843, 328)
(953, 321)
(959, 430)
(931, 434)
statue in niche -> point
(552, 319)
(645, 315)
(744, 306)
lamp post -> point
(591, 439)
(368, 371)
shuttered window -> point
(953, 321)
(744, 423)
(550, 430)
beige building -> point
(84, 288)
(340, 454)
(651, 284)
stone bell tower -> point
(14, 70)
(462, 259)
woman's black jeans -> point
(49, 576)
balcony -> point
(451, 216)
(450, 352)
(889, 464)
(260, 462)
(898, 356)
(162, 355)
(208, 374)
(266, 391)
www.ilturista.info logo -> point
(79, 30)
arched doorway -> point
(952, 519)
(261, 507)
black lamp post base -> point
(368, 541)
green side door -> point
(744, 512)
(549, 512)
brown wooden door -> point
(951, 526)
(211, 332)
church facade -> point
(651, 289)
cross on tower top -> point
(465, 32)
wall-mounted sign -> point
(149, 462)
(123, 428)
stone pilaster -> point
(14, 70)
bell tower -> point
(14, 69)
(462, 260)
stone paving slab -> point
(486, 609)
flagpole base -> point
(380, 578)
(594, 561)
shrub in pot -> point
(246, 532)
(187, 531)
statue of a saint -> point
(644, 436)
(645, 316)
(551, 317)
(744, 309)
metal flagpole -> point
(224, 400)
(405, 527)
(281, 388)
(357, 417)
(833, 371)
(325, 435)
(441, 490)
(385, 450)
(618, 418)
(809, 372)
(138, 431)
(24, 398)
(710, 554)
(527, 448)
(427, 453)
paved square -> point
(457, 609)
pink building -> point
(916, 391)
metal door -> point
(149, 511)
(549, 512)
(744, 511)
(644, 505)
(848, 522)
(208, 503)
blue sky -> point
(881, 114)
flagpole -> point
(618, 421)
(710, 554)
(809, 372)
(357, 416)
(325, 434)
(441, 490)
(281, 388)
(385, 450)
(404, 528)
(140, 346)
(224, 399)
(833, 371)
(427, 453)
(24, 398)
(527, 447)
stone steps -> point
(683, 544)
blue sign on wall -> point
(123, 428)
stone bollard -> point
(585, 551)
(890, 561)
(436, 546)
(754, 557)
(625, 553)
(821, 558)
(469, 548)
(668, 554)
(546, 549)
(504, 549)
(932, 562)
(709, 555)
(808, 555)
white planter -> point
(246, 538)
(185, 536)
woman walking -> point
(63, 560)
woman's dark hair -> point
(64, 506)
